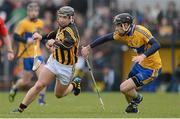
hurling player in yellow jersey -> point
(147, 63)
(63, 42)
(23, 34)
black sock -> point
(22, 107)
(137, 99)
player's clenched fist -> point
(10, 55)
(85, 51)
(37, 36)
(50, 44)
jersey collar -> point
(130, 33)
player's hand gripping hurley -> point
(37, 62)
(94, 82)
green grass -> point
(87, 105)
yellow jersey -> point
(138, 39)
(25, 29)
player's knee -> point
(25, 82)
(123, 88)
(59, 95)
(39, 86)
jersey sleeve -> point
(3, 29)
(70, 34)
(20, 28)
(102, 39)
(116, 36)
(67, 43)
(51, 35)
(145, 33)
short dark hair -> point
(66, 11)
(32, 5)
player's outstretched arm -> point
(101, 40)
(85, 50)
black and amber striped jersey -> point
(68, 39)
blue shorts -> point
(28, 62)
(142, 76)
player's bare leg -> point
(39, 70)
(129, 98)
(25, 80)
(45, 77)
(62, 90)
(128, 88)
(41, 99)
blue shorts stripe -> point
(143, 75)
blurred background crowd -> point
(94, 19)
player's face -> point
(63, 20)
(122, 28)
(33, 13)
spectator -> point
(165, 29)
(6, 9)
(109, 77)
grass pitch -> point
(87, 105)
